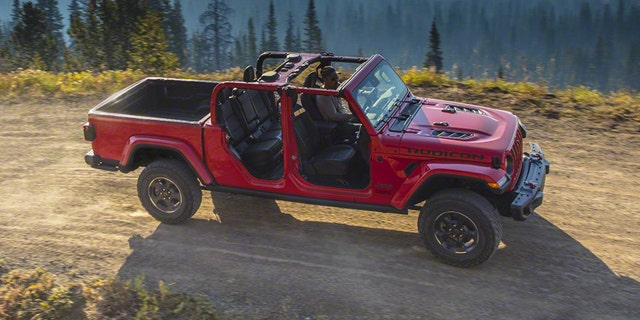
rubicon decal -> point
(445, 154)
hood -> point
(440, 126)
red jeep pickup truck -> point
(461, 165)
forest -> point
(556, 43)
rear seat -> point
(253, 130)
(258, 113)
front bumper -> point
(528, 193)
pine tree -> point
(129, 15)
(434, 55)
(500, 73)
(271, 26)
(164, 9)
(5, 57)
(91, 44)
(55, 25)
(297, 47)
(289, 37)
(76, 24)
(239, 56)
(217, 35)
(158, 6)
(177, 34)
(252, 42)
(73, 58)
(150, 47)
(263, 41)
(4, 49)
(32, 40)
(2, 33)
(111, 37)
(16, 12)
(312, 32)
(53, 17)
(198, 50)
(632, 66)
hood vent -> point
(451, 134)
(450, 108)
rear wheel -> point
(169, 191)
(460, 227)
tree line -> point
(148, 35)
(589, 42)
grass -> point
(41, 84)
(36, 294)
(33, 294)
(618, 106)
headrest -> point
(249, 74)
(311, 80)
(224, 94)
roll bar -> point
(296, 58)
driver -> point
(331, 107)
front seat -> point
(309, 100)
(317, 159)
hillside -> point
(588, 42)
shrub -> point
(33, 294)
(619, 106)
(39, 84)
(116, 299)
(425, 78)
(581, 95)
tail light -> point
(89, 132)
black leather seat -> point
(264, 106)
(254, 153)
(309, 100)
(317, 159)
(255, 108)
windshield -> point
(379, 94)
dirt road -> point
(578, 258)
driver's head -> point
(329, 77)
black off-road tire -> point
(169, 191)
(460, 227)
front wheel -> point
(169, 191)
(460, 227)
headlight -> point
(509, 165)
